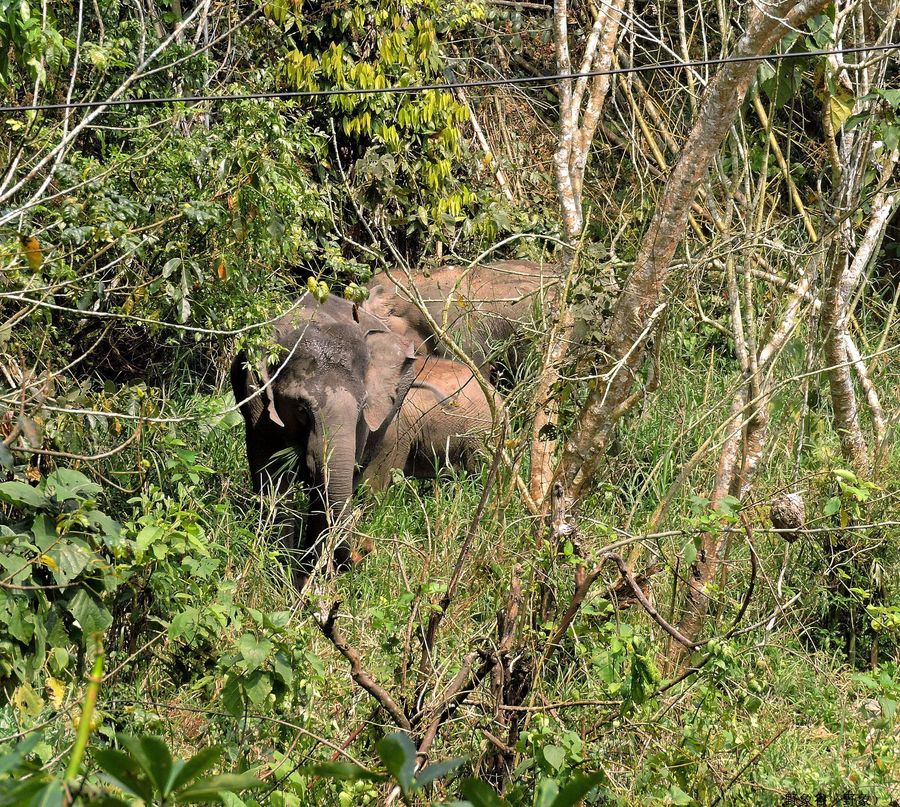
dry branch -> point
(647, 605)
(358, 673)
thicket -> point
(151, 645)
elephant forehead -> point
(324, 348)
(336, 353)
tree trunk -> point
(580, 106)
(840, 381)
(633, 315)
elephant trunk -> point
(335, 461)
(340, 465)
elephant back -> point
(489, 304)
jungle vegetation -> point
(614, 610)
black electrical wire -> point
(453, 85)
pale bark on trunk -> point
(851, 162)
(876, 410)
(840, 382)
(625, 344)
(580, 106)
(746, 431)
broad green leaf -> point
(92, 616)
(689, 552)
(678, 796)
(124, 772)
(209, 789)
(481, 794)
(43, 530)
(574, 792)
(283, 668)
(51, 795)
(832, 506)
(233, 696)
(20, 623)
(153, 755)
(398, 754)
(21, 494)
(170, 266)
(729, 506)
(547, 791)
(438, 770)
(255, 652)
(148, 536)
(197, 765)
(258, 686)
(13, 758)
(25, 793)
(315, 662)
(891, 96)
(106, 526)
(59, 659)
(69, 560)
(67, 483)
(555, 756)
(184, 626)
(344, 771)
(7, 460)
(277, 620)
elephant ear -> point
(388, 376)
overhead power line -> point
(453, 85)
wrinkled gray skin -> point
(444, 420)
(492, 305)
(331, 397)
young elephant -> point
(444, 420)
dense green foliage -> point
(165, 238)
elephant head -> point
(338, 383)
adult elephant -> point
(490, 308)
(444, 421)
(326, 403)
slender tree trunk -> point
(850, 165)
(840, 381)
(580, 106)
(633, 314)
